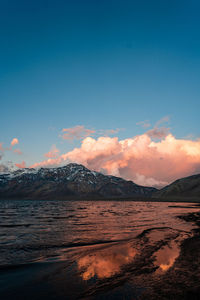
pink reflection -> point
(105, 263)
(166, 256)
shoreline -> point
(182, 280)
(131, 199)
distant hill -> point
(72, 181)
(188, 187)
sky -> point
(113, 85)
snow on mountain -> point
(70, 181)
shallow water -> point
(87, 249)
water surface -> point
(90, 243)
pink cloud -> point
(141, 159)
(18, 151)
(1, 147)
(14, 142)
(78, 132)
(53, 153)
(21, 165)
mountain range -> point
(75, 181)
(72, 181)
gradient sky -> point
(103, 65)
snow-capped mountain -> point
(72, 181)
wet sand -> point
(158, 263)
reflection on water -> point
(105, 263)
(35, 230)
(166, 256)
(87, 249)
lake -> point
(87, 249)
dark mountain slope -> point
(72, 181)
(182, 188)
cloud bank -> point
(142, 159)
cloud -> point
(3, 168)
(21, 165)
(141, 159)
(7, 167)
(1, 146)
(107, 132)
(144, 124)
(158, 133)
(18, 151)
(78, 132)
(148, 181)
(14, 142)
(165, 119)
(53, 153)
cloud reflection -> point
(166, 256)
(105, 263)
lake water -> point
(91, 240)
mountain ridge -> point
(73, 181)
(181, 188)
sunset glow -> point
(142, 159)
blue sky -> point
(101, 64)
